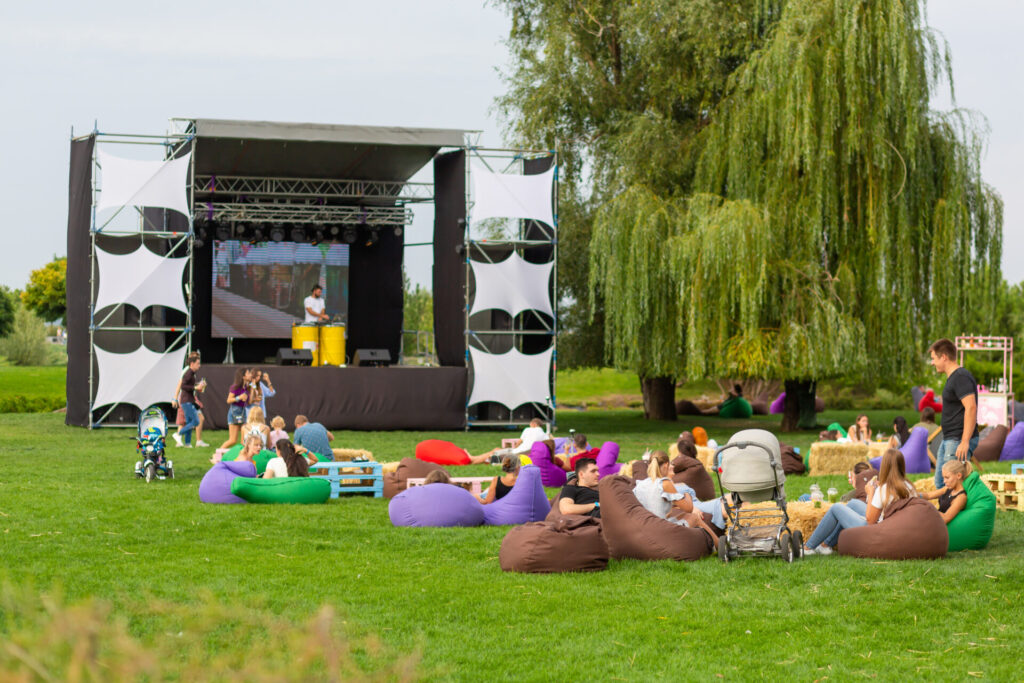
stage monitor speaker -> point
(374, 358)
(287, 356)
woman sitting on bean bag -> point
(900, 432)
(893, 485)
(659, 495)
(289, 462)
(735, 406)
(500, 486)
(952, 497)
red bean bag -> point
(572, 544)
(410, 468)
(631, 531)
(912, 529)
(441, 452)
(928, 401)
(992, 445)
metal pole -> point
(554, 293)
(92, 277)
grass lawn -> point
(31, 389)
(225, 581)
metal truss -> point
(316, 188)
(304, 213)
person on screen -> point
(315, 305)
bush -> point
(26, 344)
(17, 403)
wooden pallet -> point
(1008, 489)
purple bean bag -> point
(435, 505)
(915, 453)
(550, 473)
(776, 407)
(216, 484)
(608, 459)
(1013, 447)
(526, 501)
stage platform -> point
(350, 398)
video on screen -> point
(259, 289)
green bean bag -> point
(260, 459)
(736, 407)
(972, 527)
(303, 490)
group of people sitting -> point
(311, 444)
(860, 431)
(868, 503)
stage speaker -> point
(376, 358)
(286, 356)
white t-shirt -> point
(881, 499)
(316, 304)
(530, 436)
(278, 467)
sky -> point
(128, 68)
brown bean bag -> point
(792, 463)
(760, 406)
(631, 531)
(819, 404)
(639, 470)
(691, 472)
(572, 544)
(395, 482)
(911, 530)
(685, 407)
(992, 445)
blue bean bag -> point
(526, 501)
(550, 473)
(608, 459)
(1013, 447)
(436, 505)
(300, 490)
(915, 453)
(216, 484)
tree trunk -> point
(659, 398)
(798, 409)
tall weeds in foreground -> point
(44, 639)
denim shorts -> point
(236, 415)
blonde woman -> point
(952, 497)
(660, 497)
(256, 426)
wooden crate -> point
(1008, 489)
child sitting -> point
(952, 497)
(278, 432)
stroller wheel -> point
(786, 545)
(798, 544)
(170, 473)
(723, 549)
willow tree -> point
(835, 223)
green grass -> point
(31, 389)
(72, 515)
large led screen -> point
(259, 289)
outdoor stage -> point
(351, 398)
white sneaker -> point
(202, 444)
(824, 550)
(177, 439)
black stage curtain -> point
(449, 262)
(351, 398)
(375, 300)
(77, 300)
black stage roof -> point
(314, 150)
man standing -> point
(959, 408)
(580, 497)
(314, 305)
(314, 437)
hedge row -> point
(36, 404)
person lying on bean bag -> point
(446, 453)
(580, 497)
(659, 495)
(735, 406)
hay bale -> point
(924, 484)
(706, 455)
(388, 467)
(352, 454)
(835, 458)
(803, 517)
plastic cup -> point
(833, 495)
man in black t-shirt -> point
(959, 408)
(580, 497)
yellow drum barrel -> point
(307, 337)
(332, 345)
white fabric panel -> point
(512, 285)
(127, 182)
(499, 195)
(141, 279)
(140, 377)
(510, 378)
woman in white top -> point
(659, 495)
(256, 426)
(893, 476)
(289, 462)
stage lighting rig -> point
(318, 237)
(298, 234)
(257, 235)
(223, 232)
(371, 237)
(349, 235)
(277, 233)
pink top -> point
(274, 436)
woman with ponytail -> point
(289, 462)
(500, 486)
(952, 497)
(660, 496)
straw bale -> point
(924, 484)
(352, 454)
(835, 458)
(802, 516)
(387, 467)
(706, 455)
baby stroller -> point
(150, 443)
(749, 466)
